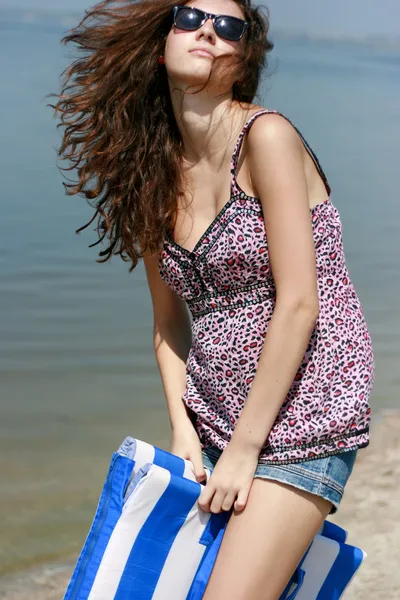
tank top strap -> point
(235, 188)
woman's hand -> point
(186, 444)
(232, 476)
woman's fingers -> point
(241, 499)
(198, 469)
(228, 501)
(217, 501)
(206, 496)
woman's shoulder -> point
(270, 121)
(272, 127)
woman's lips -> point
(203, 53)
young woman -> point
(263, 348)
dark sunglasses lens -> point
(228, 28)
(187, 19)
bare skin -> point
(208, 191)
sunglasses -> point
(226, 27)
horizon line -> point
(68, 17)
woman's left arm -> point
(275, 155)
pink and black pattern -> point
(227, 283)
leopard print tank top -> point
(227, 284)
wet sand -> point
(370, 511)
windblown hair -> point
(120, 131)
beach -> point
(370, 511)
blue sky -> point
(337, 17)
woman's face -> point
(185, 67)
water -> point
(77, 365)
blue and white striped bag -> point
(150, 540)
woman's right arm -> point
(172, 341)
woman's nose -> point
(207, 28)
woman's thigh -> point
(264, 543)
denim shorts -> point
(325, 477)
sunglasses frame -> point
(207, 16)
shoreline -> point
(369, 511)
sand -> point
(370, 511)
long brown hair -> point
(120, 132)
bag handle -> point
(204, 572)
(298, 577)
(300, 573)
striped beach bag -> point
(149, 540)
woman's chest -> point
(231, 254)
(206, 193)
